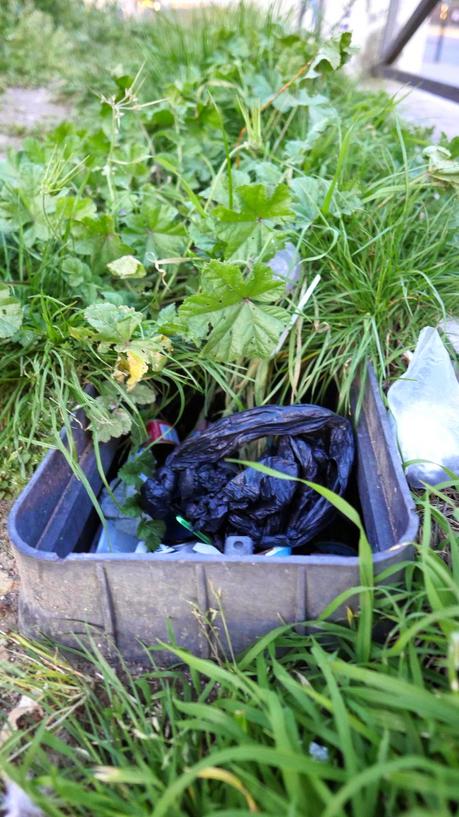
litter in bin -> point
(238, 546)
(279, 551)
(118, 535)
(221, 498)
(425, 406)
(206, 550)
(202, 536)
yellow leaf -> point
(130, 368)
(215, 773)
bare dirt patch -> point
(23, 110)
(9, 581)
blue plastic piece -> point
(279, 551)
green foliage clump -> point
(136, 241)
(63, 42)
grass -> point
(65, 44)
(298, 724)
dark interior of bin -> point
(339, 531)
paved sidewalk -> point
(420, 107)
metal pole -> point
(390, 27)
(420, 13)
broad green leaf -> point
(143, 395)
(309, 195)
(265, 172)
(127, 267)
(257, 207)
(256, 202)
(151, 531)
(98, 238)
(10, 313)
(331, 55)
(108, 419)
(299, 98)
(159, 119)
(75, 208)
(167, 322)
(291, 99)
(132, 470)
(442, 167)
(80, 278)
(262, 87)
(236, 314)
(218, 192)
(155, 232)
(113, 323)
(77, 272)
(321, 118)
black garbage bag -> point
(220, 498)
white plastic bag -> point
(286, 265)
(425, 406)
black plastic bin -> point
(131, 600)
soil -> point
(9, 582)
(24, 110)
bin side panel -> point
(387, 505)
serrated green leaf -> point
(442, 167)
(131, 507)
(75, 207)
(113, 323)
(98, 238)
(142, 463)
(11, 313)
(168, 322)
(257, 203)
(151, 531)
(80, 278)
(142, 394)
(331, 55)
(265, 172)
(309, 195)
(321, 118)
(257, 206)
(108, 419)
(238, 310)
(77, 272)
(155, 232)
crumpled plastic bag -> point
(425, 406)
(286, 265)
(17, 803)
(221, 498)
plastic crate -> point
(131, 600)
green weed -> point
(233, 137)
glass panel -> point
(433, 50)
